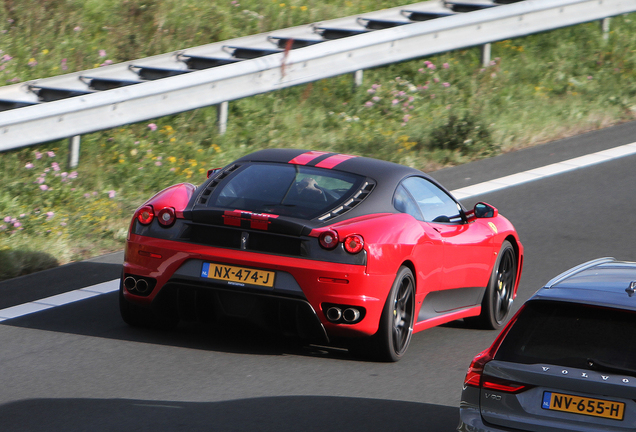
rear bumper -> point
(309, 284)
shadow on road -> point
(280, 414)
(99, 317)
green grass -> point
(427, 113)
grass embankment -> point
(425, 113)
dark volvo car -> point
(566, 361)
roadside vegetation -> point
(427, 113)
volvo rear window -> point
(572, 335)
(285, 189)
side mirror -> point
(483, 210)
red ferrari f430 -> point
(331, 247)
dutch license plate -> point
(238, 275)
(583, 405)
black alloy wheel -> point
(497, 299)
(396, 325)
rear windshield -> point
(572, 335)
(285, 189)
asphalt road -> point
(80, 368)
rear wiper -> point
(600, 366)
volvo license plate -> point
(583, 405)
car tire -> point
(396, 323)
(497, 300)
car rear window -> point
(285, 189)
(572, 335)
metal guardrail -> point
(110, 96)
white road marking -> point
(466, 192)
(546, 171)
(59, 300)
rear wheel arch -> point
(515, 245)
(411, 266)
(513, 241)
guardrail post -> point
(605, 26)
(485, 55)
(73, 151)
(221, 116)
(358, 76)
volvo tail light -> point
(476, 369)
(501, 385)
(474, 375)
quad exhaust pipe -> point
(136, 285)
(350, 315)
(334, 314)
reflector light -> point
(353, 243)
(328, 239)
(149, 254)
(333, 280)
(145, 215)
(166, 216)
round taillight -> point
(145, 215)
(328, 239)
(166, 216)
(353, 243)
